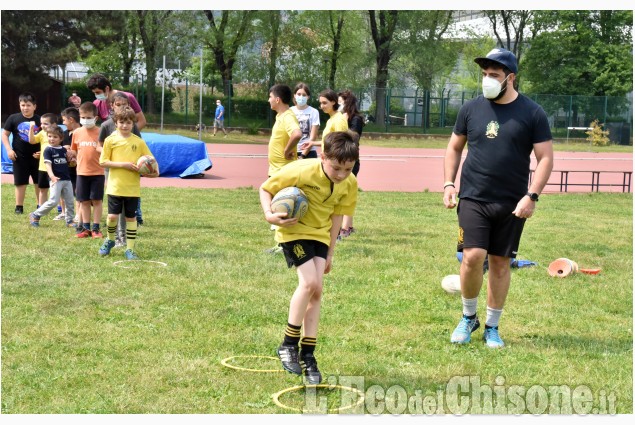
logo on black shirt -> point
(492, 130)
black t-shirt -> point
(356, 124)
(18, 125)
(56, 155)
(500, 139)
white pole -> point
(162, 94)
(200, 102)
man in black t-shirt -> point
(500, 128)
(25, 156)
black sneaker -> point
(288, 354)
(19, 209)
(312, 374)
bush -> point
(597, 136)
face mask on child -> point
(88, 123)
(301, 100)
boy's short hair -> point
(71, 112)
(27, 97)
(98, 81)
(55, 129)
(88, 107)
(283, 92)
(118, 96)
(342, 146)
(304, 87)
(124, 113)
(50, 116)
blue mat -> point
(178, 156)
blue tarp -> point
(178, 156)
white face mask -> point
(340, 107)
(301, 100)
(88, 123)
(101, 96)
(491, 87)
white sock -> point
(493, 316)
(469, 306)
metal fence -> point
(408, 110)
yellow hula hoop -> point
(277, 395)
(225, 362)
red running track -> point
(390, 169)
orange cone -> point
(562, 267)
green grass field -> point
(82, 335)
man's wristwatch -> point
(533, 196)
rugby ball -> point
(148, 166)
(451, 284)
(290, 200)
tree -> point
(33, 43)
(382, 34)
(117, 59)
(274, 21)
(513, 23)
(224, 47)
(336, 23)
(581, 52)
(152, 29)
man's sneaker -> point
(491, 337)
(34, 220)
(288, 355)
(120, 242)
(83, 234)
(312, 374)
(19, 209)
(60, 216)
(274, 250)
(96, 234)
(130, 255)
(463, 332)
(106, 247)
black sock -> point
(292, 335)
(307, 345)
(472, 317)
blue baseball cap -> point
(501, 56)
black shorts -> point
(300, 251)
(490, 226)
(23, 168)
(356, 168)
(43, 180)
(311, 154)
(90, 188)
(73, 174)
(127, 203)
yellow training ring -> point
(225, 362)
(277, 395)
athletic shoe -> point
(19, 209)
(139, 222)
(58, 217)
(96, 234)
(34, 220)
(491, 337)
(275, 250)
(463, 332)
(83, 234)
(344, 233)
(312, 374)
(288, 355)
(106, 247)
(120, 242)
(130, 255)
(59, 209)
(72, 224)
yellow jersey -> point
(325, 199)
(43, 139)
(286, 123)
(337, 122)
(121, 181)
